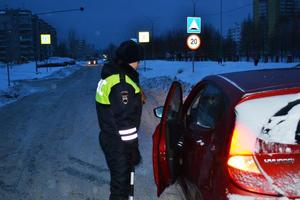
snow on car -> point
(271, 128)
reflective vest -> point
(105, 86)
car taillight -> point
(241, 165)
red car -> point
(236, 136)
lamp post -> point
(81, 9)
(221, 31)
(152, 35)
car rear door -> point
(166, 140)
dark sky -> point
(106, 21)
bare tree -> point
(73, 44)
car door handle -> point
(200, 142)
(213, 148)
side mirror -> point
(158, 112)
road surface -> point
(49, 144)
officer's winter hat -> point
(129, 52)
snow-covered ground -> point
(159, 74)
(28, 71)
(183, 70)
(19, 73)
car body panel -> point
(205, 171)
(282, 169)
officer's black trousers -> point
(119, 165)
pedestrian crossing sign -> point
(144, 37)
(193, 25)
(45, 39)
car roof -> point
(263, 80)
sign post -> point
(144, 37)
(193, 41)
(8, 74)
(45, 39)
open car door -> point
(166, 140)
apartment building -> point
(19, 36)
(272, 18)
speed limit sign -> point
(193, 42)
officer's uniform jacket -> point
(118, 101)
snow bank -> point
(184, 70)
(158, 74)
(19, 73)
(163, 83)
(17, 92)
(59, 59)
(27, 71)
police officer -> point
(119, 107)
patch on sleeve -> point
(124, 95)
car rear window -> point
(274, 119)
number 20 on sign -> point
(193, 42)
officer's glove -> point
(135, 157)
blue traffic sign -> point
(193, 25)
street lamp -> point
(61, 11)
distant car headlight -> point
(89, 62)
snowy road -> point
(49, 144)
